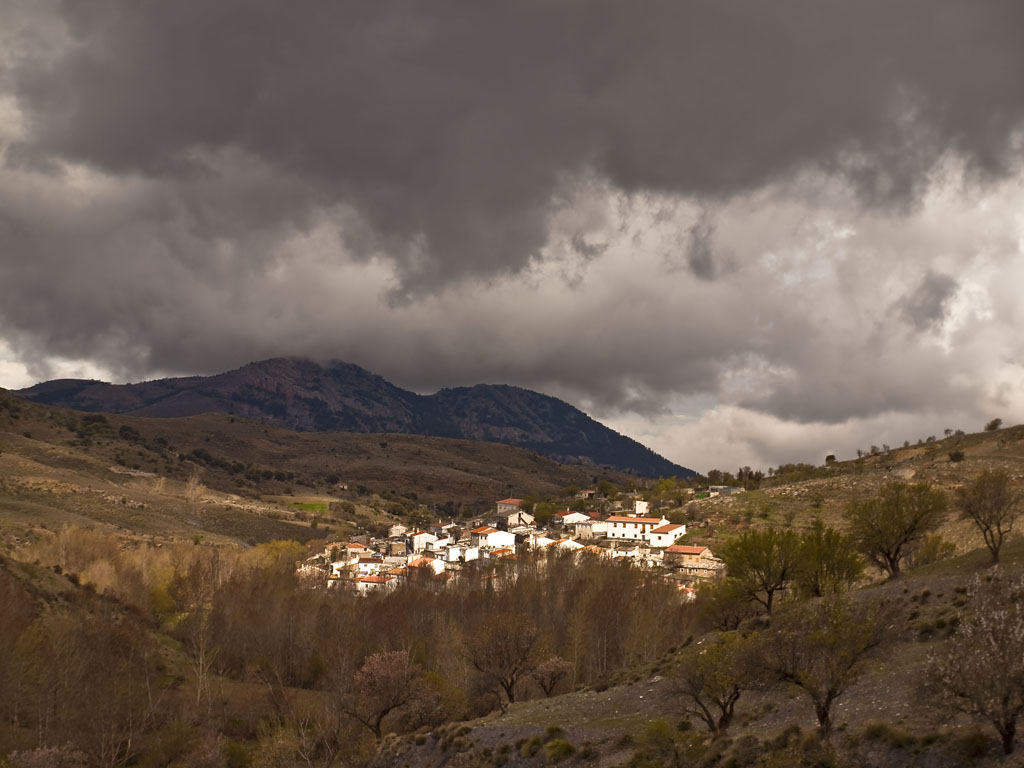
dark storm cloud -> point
(448, 125)
(700, 253)
(927, 306)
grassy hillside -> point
(130, 474)
(831, 489)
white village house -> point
(633, 528)
(486, 536)
(666, 535)
(419, 540)
(569, 517)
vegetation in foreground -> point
(118, 649)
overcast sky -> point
(743, 233)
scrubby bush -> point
(530, 746)
(558, 750)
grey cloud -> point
(265, 174)
(586, 249)
(927, 306)
(449, 125)
(700, 248)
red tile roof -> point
(484, 529)
(667, 528)
(683, 549)
(511, 501)
(375, 579)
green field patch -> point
(308, 506)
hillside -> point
(829, 490)
(59, 467)
(303, 395)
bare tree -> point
(550, 672)
(386, 682)
(993, 504)
(980, 672)
(501, 651)
(194, 591)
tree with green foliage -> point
(608, 489)
(994, 425)
(543, 512)
(763, 562)
(724, 604)
(819, 647)
(711, 677)
(980, 672)
(828, 561)
(886, 528)
(993, 504)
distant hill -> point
(306, 396)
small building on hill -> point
(588, 530)
(509, 519)
(569, 517)
(666, 535)
(419, 540)
(694, 561)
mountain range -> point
(306, 396)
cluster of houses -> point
(367, 565)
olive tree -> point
(887, 527)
